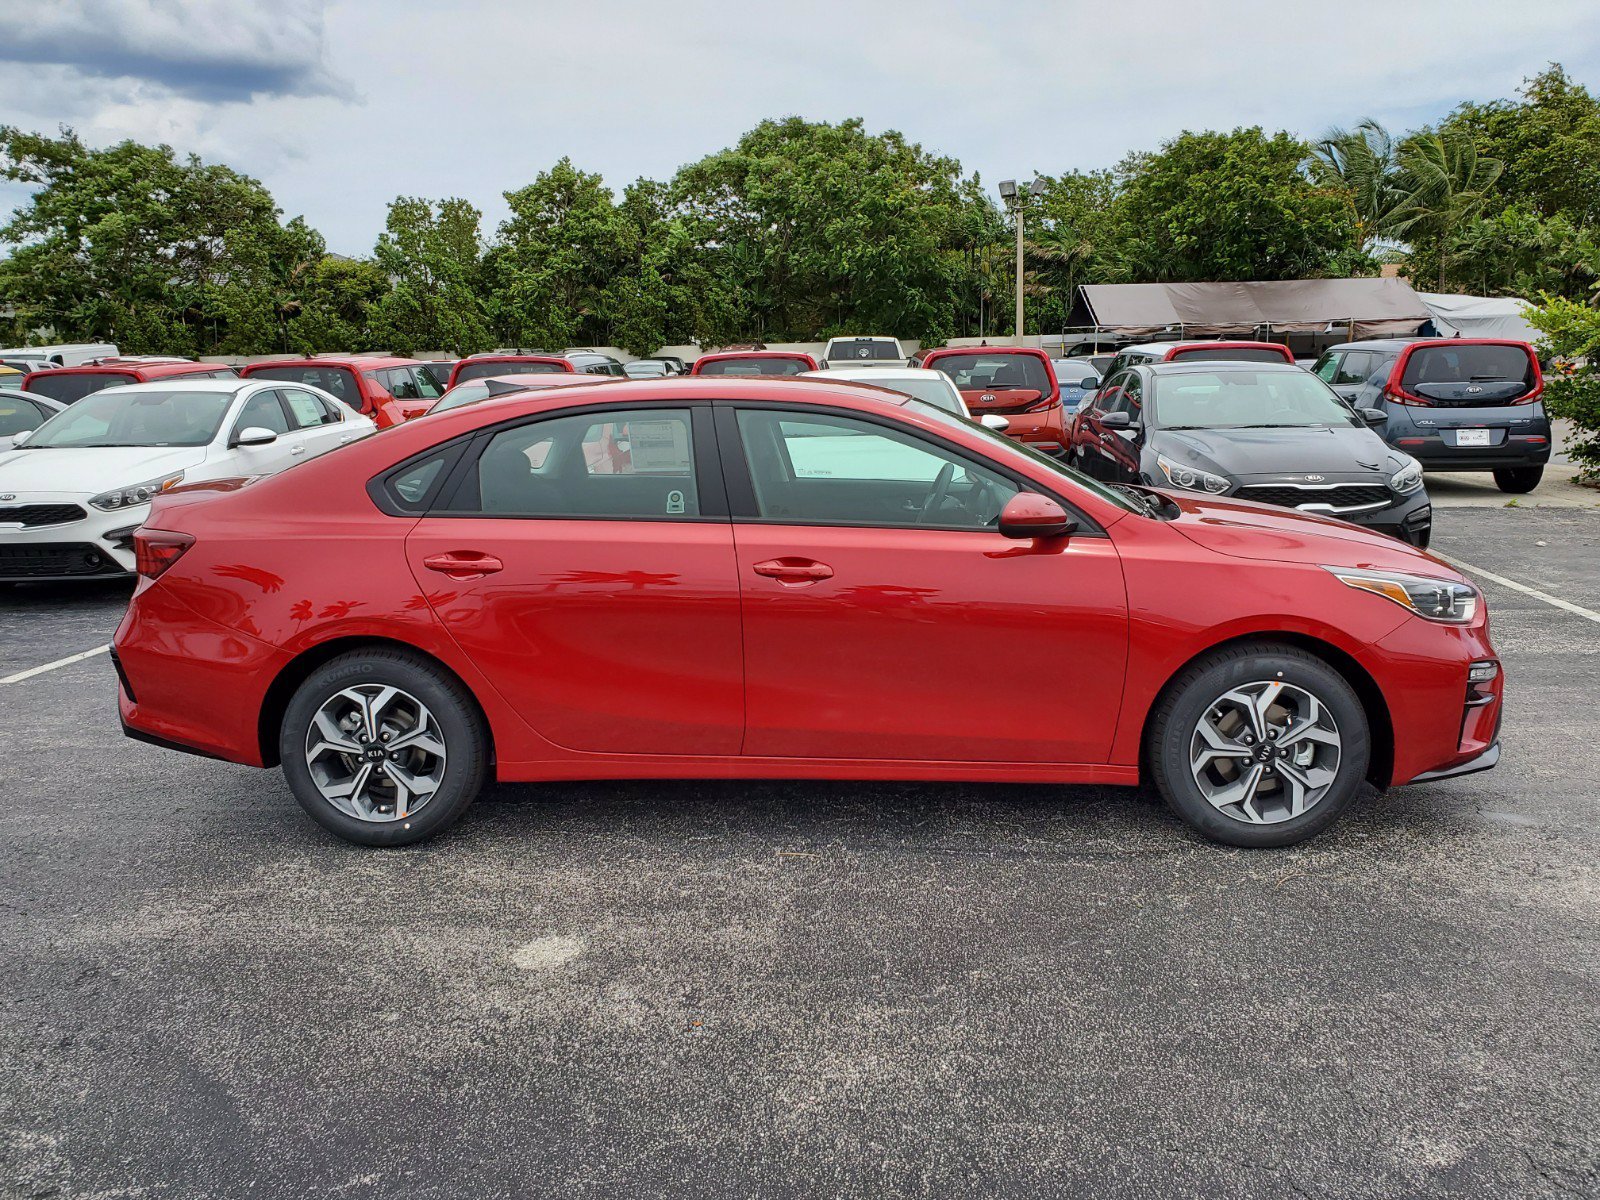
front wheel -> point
(1518, 480)
(383, 748)
(1259, 745)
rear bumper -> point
(1045, 431)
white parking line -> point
(1566, 605)
(51, 666)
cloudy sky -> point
(340, 105)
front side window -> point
(836, 470)
(262, 411)
(17, 416)
(1327, 368)
(125, 417)
(636, 463)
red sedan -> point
(785, 579)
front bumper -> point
(1485, 761)
(97, 545)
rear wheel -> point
(1518, 480)
(383, 748)
(1259, 745)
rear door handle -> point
(793, 570)
(463, 564)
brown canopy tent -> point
(1355, 307)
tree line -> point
(800, 231)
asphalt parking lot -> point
(775, 989)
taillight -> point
(154, 550)
(1044, 405)
(1395, 396)
(1538, 390)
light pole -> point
(1014, 201)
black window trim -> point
(741, 492)
(450, 488)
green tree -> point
(1230, 206)
(1444, 183)
(133, 244)
(332, 306)
(828, 228)
(1361, 163)
(431, 254)
(1572, 388)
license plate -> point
(1472, 437)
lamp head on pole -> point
(1037, 186)
(1008, 190)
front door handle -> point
(297, 450)
(463, 564)
(794, 570)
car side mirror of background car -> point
(1117, 420)
(992, 421)
(1090, 383)
(255, 436)
(1375, 417)
(1030, 515)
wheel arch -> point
(1380, 765)
(283, 687)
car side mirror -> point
(1030, 515)
(1117, 421)
(254, 436)
(995, 422)
(1374, 417)
(1090, 383)
(18, 439)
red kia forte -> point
(764, 578)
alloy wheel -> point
(375, 752)
(1265, 752)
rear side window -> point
(637, 463)
(59, 385)
(1467, 364)
(338, 382)
(1243, 354)
(1356, 367)
(307, 410)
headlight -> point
(1192, 478)
(1407, 479)
(1435, 599)
(138, 493)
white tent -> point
(1480, 316)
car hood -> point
(91, 468)
(1244, 529)
(1321, 450)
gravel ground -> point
(785, 989)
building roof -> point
(1357, 307)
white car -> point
(931, 387)
(21, 412)
(70, 354)
(866, 351)
(73, 491)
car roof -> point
(1402, 343)
(538, 382)
(941, 351)
(225, 384)
(755, 354)
(153, 370)
(872, 373)
(360, 362)
(1212, 365)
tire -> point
(1518, 480)
(1176, 743)
(429, 709)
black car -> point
(1456, 404)
(1255, 431)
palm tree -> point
(1443, 183)
(1360, 161)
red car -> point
(1235, 351)
(1015, 382)
(481, 366)
(746, 363)
(784, 579)
(68, 385)
(387, 389)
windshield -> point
(485, 368)
(1244, 400)
(339, 382)
(136, 418)
(864, 350)
(755, 366)
(1238, 354)
(460, 395)
(1006, 446)
(935, 391)
(69, 388)
(1467, 364)
(1012, 378)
